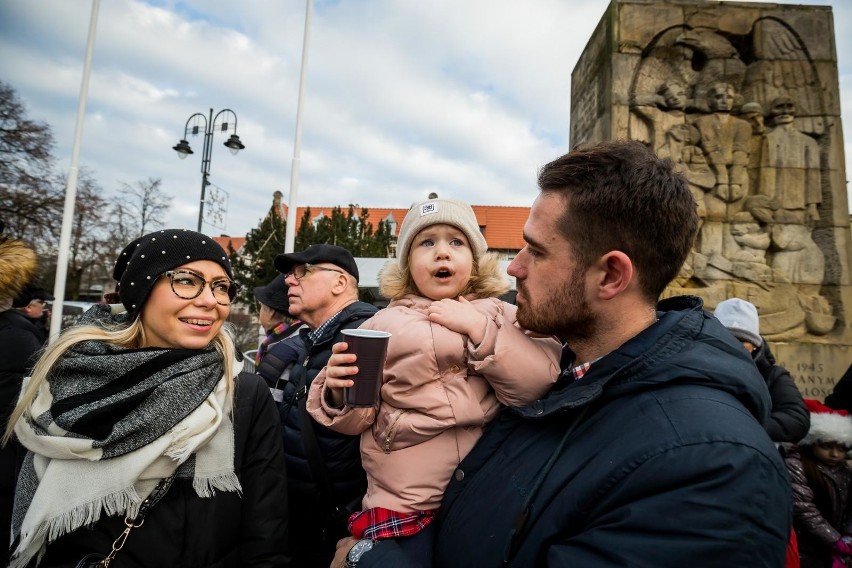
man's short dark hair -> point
(620, 196)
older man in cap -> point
(30, 304)
(324, 475)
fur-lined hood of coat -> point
(486, 281)
(18, 265)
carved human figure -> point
(790, 171)
(662, 110)
(752, 113)
(680, 147)
(749, 238)
(725, 140)
(746, 248)
(798, 258)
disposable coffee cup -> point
(371, 347)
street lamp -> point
(210, 123)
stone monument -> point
(744, 98)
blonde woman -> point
(123, 401)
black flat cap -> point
(274, 295)
(316, 254)
(28, 294)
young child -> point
(822, 482)
(456, 353)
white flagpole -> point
(290, 231)
(71, 186)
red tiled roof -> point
(235, 242)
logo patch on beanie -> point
(428, 209)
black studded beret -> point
(145, 259)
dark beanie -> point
(28, 294)
(145, 259)
(274, 295)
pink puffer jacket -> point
(438, 392)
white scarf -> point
(74, 486)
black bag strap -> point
(158, 493)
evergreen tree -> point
(255, 264)
(356, 234)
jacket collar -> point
(355, 310)
(682, 345)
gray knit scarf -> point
(110, 422)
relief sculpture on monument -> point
(742, 113)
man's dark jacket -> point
(341, 453)
(656, 457)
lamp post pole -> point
(210, 122)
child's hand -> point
(844, 546)
(459, 316)
(336, 372)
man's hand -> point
(343, 546)
(459, 316)
(336, 371)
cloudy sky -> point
(463, 97)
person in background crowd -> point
(19, 344)
(30, 302)
(841, 395)
(126, 402)
(324, 475)
(789, 418)
(650, 448)
(822, 482)
(452, 358)
(282, 347)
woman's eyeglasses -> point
(189, 285)
(303, 270)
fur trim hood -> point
(18, 265)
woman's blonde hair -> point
(129, 336)
(487, 280)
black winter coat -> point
(841, 395)
(20, 341)
(20, 344)
(789, 419)
(668, 464)
(227, 530)
(313, 535)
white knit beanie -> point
(439, 211)
(827, 425)
(740, 317)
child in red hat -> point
(822, 482)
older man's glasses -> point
(189, 285)
(303, 270)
